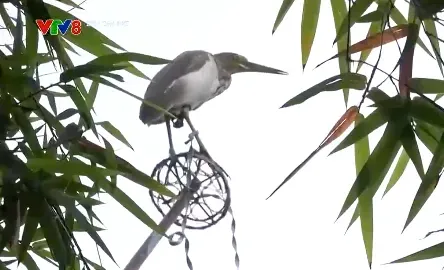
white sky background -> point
(256, 143)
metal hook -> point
(180, 235)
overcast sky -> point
(257, 143)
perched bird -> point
(190, 80)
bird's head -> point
(235, 63)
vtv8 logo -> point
(54, 26)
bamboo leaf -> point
(356, 11)
(375, 120)
(410, 145)
(338, 82)
(432, 34)
(53, 237)
(286, 4)
(124, 58)
(372, 174)
(32, 221)
(429, 183)
(67, 167)
(80, 103)
(339, 10)
(403, 160)
(310, 16)
(423, 110)
(434, 251)
(128, 203)
(66, 114)
(338, 129)
(92, 40)
(87, 70)
(115, 132)
(365, 201)
(84, 224)
(97, 154)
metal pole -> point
(154, 238)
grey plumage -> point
(157, 92)
(191, 79)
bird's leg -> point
(172, 152)
(170, 137)
(194, 132)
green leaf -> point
(96, 153)
(53, 236)
(426, 86)
(7, 20)
(124, 58)
(64, 183)
(80, 103)
(399, 19)
(429, 183)
(338, 82)
(423, 110)
(362, 148)
(38, 236)
(427, 8)
(86, 70)
(84, 224)
(310, 16)
(374, 16)
(403, 160)
(425, 254)
(127, 202)
(64, 198)
(52, 102)
(11, 216)
(354, 217)
(339, 10)
(375, 120)
(365, 201)
(30, 263)
(116, 77)
(377, 165)
(410, 145)
(32, 221)
(374, 28)
(115, 132)
(91, 40)
(27, 130)
(67, 167)
(111, 159)
(92, 94)
(428, 134)
(432, 34)
(286, 4)
(66, 114)
(32, 40)
(356, 11)
(70, 3)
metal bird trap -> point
(210, 190)
(203, 199)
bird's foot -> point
(178, 123)
(172, 153)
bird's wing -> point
(158, 89)
(183, 64)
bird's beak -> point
(253, 67)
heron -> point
(189, 81)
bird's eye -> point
(240, 58)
